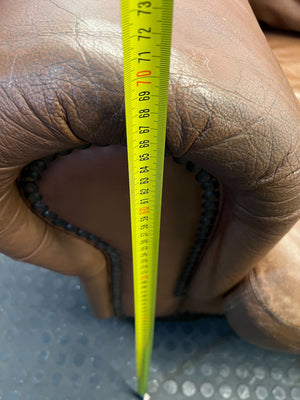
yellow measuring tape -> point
(147, 31)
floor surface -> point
(52, 348)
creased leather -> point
(231, 111)
(264, 307)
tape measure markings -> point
(146, 29)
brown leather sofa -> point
(269, 296)
(230, 240)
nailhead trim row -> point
(28, 186)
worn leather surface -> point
(231, 111)
(264, 307)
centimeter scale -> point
(147, 31)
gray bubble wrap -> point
(52, 348)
